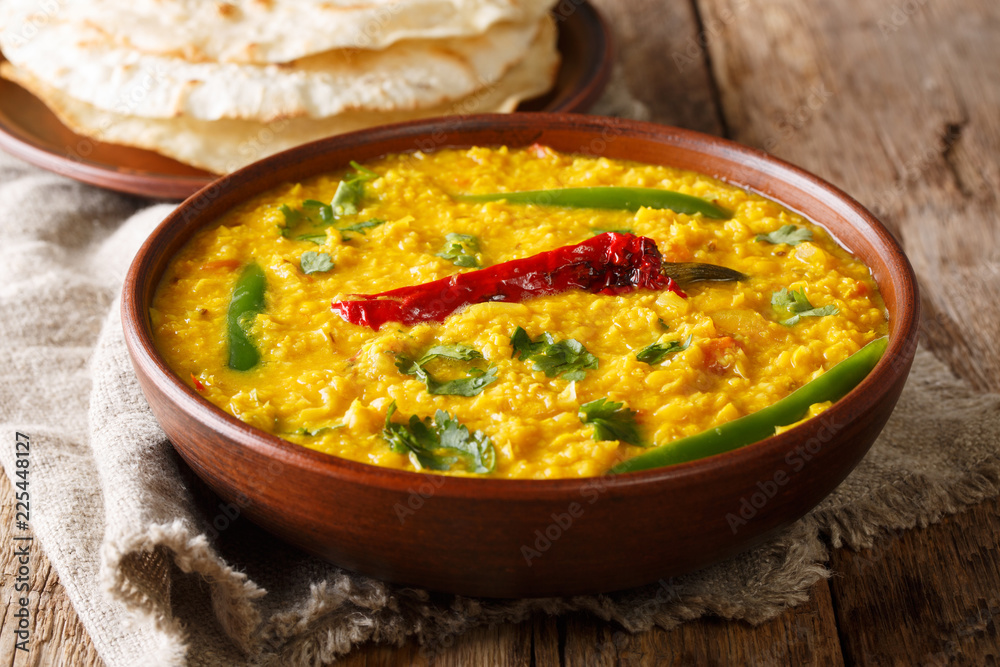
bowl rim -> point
(138, 334)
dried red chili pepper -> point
(610, 263)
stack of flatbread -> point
(221, 84)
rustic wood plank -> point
(925, 597)
(57, 636)
(898, 107)
(804, 635)
(546, 646)
(499, 645)
(660, 49)
(896, 103)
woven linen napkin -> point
(158, 578)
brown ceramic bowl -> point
(476, 536)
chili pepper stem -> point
(685, 273)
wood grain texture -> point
(805, 635)
(500, 646)
(896, 604)
(57, 636)
(661, 55)
(897, 103)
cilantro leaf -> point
(346, 201)
(657, 352)
(317, 238)
(416, 440)
(292, 218)
(475, 446)
(472, 385)
(467, 386)
(351, 190)
(523, 345)
(612, 421)
(363, 171)
(597, 231)
(456, 351)
(316, 431)
(460, 250)
(568, 359)
(347, 197)
(424, 439)
(315, 262)
(789, 234)
(359, 227)
(796, 304)
(320, 215)
(312, 208)
(312, 211)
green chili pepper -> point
(830, 386)
(247, 302)
(628, 199)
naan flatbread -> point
(223, 146)
(409, 75)
(268, 31)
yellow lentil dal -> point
(327, 384)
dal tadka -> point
(565, 384)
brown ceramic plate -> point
(31, 132)
(468, 535)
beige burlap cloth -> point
(127, 527)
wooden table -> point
(898, 103)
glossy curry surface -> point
(722, 350)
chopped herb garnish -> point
(597, 231)
(472, 385)
(292, 218)
(364, 171)
(351, 190)
(657, 352)
(460, 250)
(789, 234)
(313, 212)
(359, 227)
(455, 351)
(318, 238)
(315, 262)
(663, 325)
(612, 421)
(523, 345)
(795, 304)
(316, 431)
(568, 359)
(312, 209)
(439, 444)
(345, 202)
